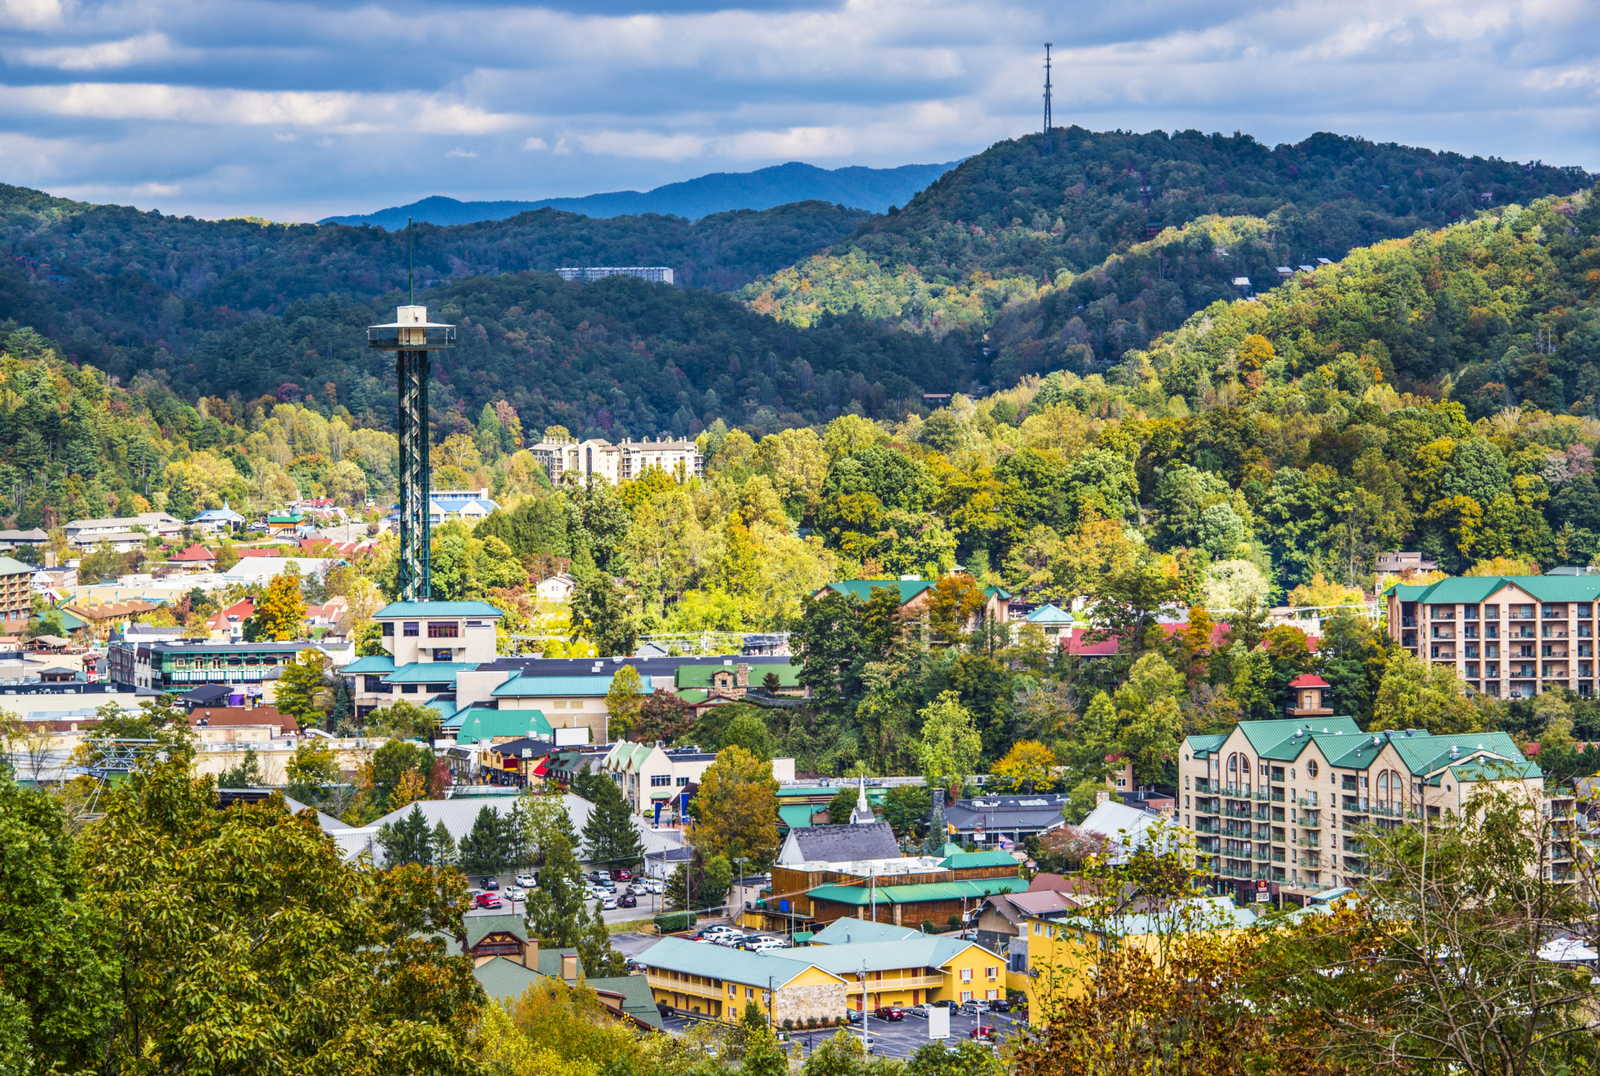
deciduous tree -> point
(736, 810)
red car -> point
(624, 876)
(489, 900)
(985, 1032)
(890, 1012)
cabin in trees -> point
(915, 595)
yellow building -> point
(698, 977)
(1060, 951)
(823, 980)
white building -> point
(558, 588)
(86, 533)
(619, 462)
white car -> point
(527, 881)
(719, 930)
(655, 886)
(608, 903)
(762, 945)
(516, 892)
(919, 1011)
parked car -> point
(627, 900)
(638, 889)
(599, 876)
(974, 1007)
(853, 1016)
(657, 886)
(919, 1011)
(491, 883)
(608, 903)
(624, 876)
(1000, 1005)
(890, 1012)
(984, 1032)
(718, 928)
(527, 881)
(516, 892)
(764, 943)
(489, 900)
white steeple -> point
(863, 812)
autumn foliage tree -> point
(736, 810)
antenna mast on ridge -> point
(1049, 148)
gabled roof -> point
(195, 554)
(850, 930)
(524, 687)
(1471, 590)
(967, 888)
(697, 958)
(840, 843)
(485, 724)
(1049, 614)
(970, 860)
(699, 676)
(371, 665)
(502, 978)
(634, 997)
(429, 672)
(918, 951)
(395, 610)
(1308, 680)
(863, 588)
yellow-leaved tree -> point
(736, 810)
(280, 609)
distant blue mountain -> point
(875, 189)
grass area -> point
(632, 924)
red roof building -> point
(1309, 697)
(230, 621)
(196, 556)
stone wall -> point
(798, 1003)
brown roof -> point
(1044, 902)
(216, 716)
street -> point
(898, 1039)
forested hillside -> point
(1067, 261)
(119, 287)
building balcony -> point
(1204, 786)
(1235, 812)
(1203, 826)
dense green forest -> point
(1069, 260)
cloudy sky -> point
(299, 110)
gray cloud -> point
(298, 110)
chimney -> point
(569, 965)
(741, 675)
(530, 954)
(1101, 795)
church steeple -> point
(863, 812)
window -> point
(966, 995)
(443, 630)
(749, 992)
(1311, 768)
(993, 995)
(683, 782)
(441, 654)
(408, 628)
(966, 976)
(408, 689)
(733, 991)
(387, 631)
(994, 974)
(1036, 927)
(1491, 612)
(660, 780)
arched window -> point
(1391, 789)
(1233, 772)
(1311, 768)
(1239, 772)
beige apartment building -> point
(619, 462)
(1276, 807)
(1510, 637)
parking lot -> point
(650, 904)
(900, 1038)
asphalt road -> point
(900, 1038)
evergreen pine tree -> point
(444, 847)
(556, 912)
(609, 834)
(480, 849)
(594, 946)
(407, 840)
(343, 710)
(678, 895)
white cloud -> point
(33, 14)
(459, 152)
(535, 143)
(144, 49)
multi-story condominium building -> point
(1510, 637)
(182, 665)
(656, 274)
(619, 462)
(85, 533)
(1277, 806)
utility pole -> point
(1049, 147)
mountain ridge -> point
(854, 186)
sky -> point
(295, 111)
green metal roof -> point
(289, 517)
(700, 675)
(796, 815)
(863, 588)
(851, 930)
(1345, 745)
(429, 672)
(523, 687)
(1471, 590)
(990, 858)
(397, 610)
(369, 666)
(483, 724)
(862, 896)
(730, 965)
(12, 566)
(550, 962)
(502, 978)
(921, 951)
(637, 999)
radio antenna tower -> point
(1049, 148)
(411, 336)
